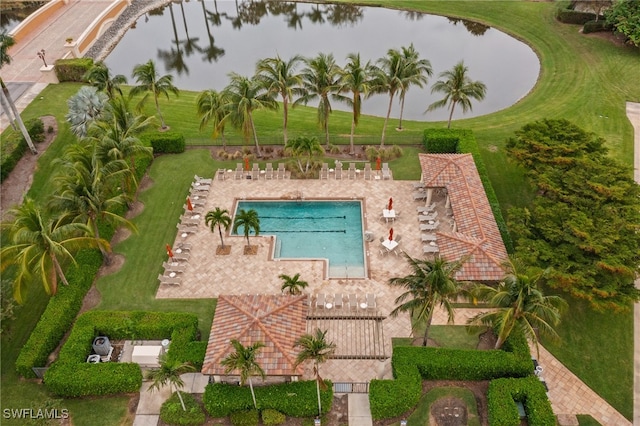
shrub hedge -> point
(14, 146)
(503, 395)
(272, 417)
(440, 141)
(244, 418)
(172, 413)
(164, 143)
(65, 305)
(72, 69)
(411, 365)
(71, 376)
(570, 16)
(467, 144)
(296, 399)
(596, 26)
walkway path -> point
(633, 112)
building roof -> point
(477, 237)
(275, 320)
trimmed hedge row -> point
(503, 395)
(245, 418)
(71, 376)
(164, 143)
(59, 314)
(72, 69)
(172, 413)
(440, 141)
(296, 399)
(570, 16)
(411, 365)
(467, 144)
(596, 26)
(65, 305)
(14, 146)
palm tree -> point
(431, 284)
(414, 73)
(150, 82)
(219, 218)
(85, 108)
(315, 347)
(244, 359)
(355, 78)
(38, 244)
(169, 372)
(279, 78)
(245, 96)
(519, 304)
(388, 79)
(321, 80)
(458, 88)
(6, 41)
(292, 284)
(305, 147)
(249, 220)
(85, 189)
(212, 107)
(100, 77)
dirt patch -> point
(134, 210)
(145, 183)
(120, 235)
(448, 411)
(117, 261)
(487, 341)
(16, 185)
(430, 342)
(250, 250)
(223, 251)
(91, 300)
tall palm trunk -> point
(184, 408)
(285, 108)
(425, 338)
(255, 136)
(318, 390)
(58, 269)
(453, 105)
(96, 233)
(220, 232)
(401, 111)
(7, 110)
(253, 394)
(386, 120)
(353, 130)
(16, 114)
(326, 122)
(162, 123)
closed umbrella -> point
(390, 204)
(378, 162)
(169, 251)
(391, 234)
(189, 205)
(246, 163)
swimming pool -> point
(315, 230)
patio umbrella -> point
(390, 204)
(391, 234)
(246, 163)
(189, 205)
(378, 162)
(169, 251)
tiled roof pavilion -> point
(476, 236)
(275, 320)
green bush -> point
(71, 376)
(296, 399)
(569, 16)
(35, 128)
(14, 146)
(596, 26)
(272, 417)
(59, 314)
(172, 413)
(164, 143)
(440, 141)
(72, 69)
(503, 395)
(244, 418)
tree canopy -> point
(584, 224)
(624, 15)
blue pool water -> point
(315, 229)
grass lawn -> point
(584, 79)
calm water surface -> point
(199, 43)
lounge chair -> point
(428, 248)
(338, 170)
(181, 256)
(169, 280)
(324, 171)
(371, 301)
(426, 217)
(199, 200)
(220, 174)
(428, 237)
(268, 172)
(203, 180)
(255, 171)
(367, 171)
(200, 188)
(239, 172)
(320, 301)
(183, 247)
(170, 267)
(189, 221)
(420, 195)
(184, 229)
(386, 171)
(352, 171)
(430, 226)
(426, 209)
(282, 172)
(353, 301)
(337, 301)
(418, 185)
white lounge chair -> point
(202, 180)
(352, 171)
(420, 195)
(429, 249)
(181, 256)
(169, 280)
(427, 217)
(371, 301)
(268, 172)
(426, 209)
(386, 171)
(282, 172)
(320, 301)
(171, 267)
(338, 170)
(324, 171)
(429, 237)
(429, 226)
(353, 301)
(337, 301)
(367, 171)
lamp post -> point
(41, 56)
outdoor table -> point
(390, 245)
(389, 214)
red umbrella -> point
(246, 163)
(391, 234)
(390, 204)
(189, 205)
(169, 251)
(378, 161)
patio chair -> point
(419, 185)
(428, 237)
(353, 301)
(198, 200)
(181, 256)
(169, 280)
(255, 171)
(186, 220)
(170, 267)
(239, 173)
(324, 171)
(371, 301)
(426, 209)
(337, 301)
(386, 171)
(352, 171)
(367, 171)
(220, 174)
(268, 172)
(338, 170)
(429, 249)
(183, 247)
(426, 217)
(200, 188)
(203, 180)
(183, 229)
(282, 172)
(320, 301)
(430, 226)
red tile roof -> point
(276, 321)
(477, 236)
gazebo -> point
(275, 320)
